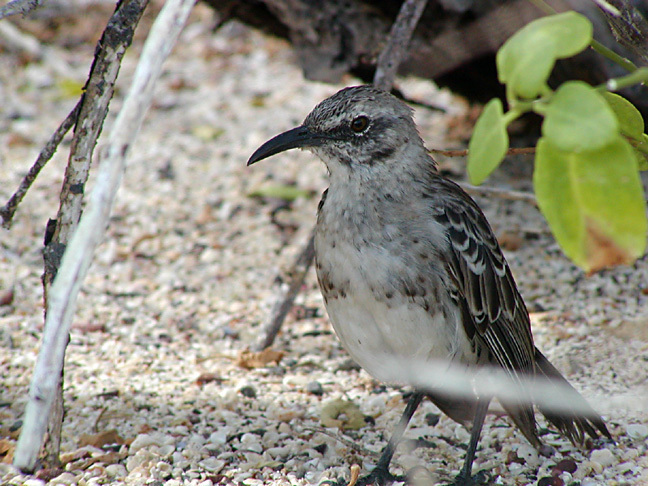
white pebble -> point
(65, 478)
(637, 431)
(219, 437)
(166, 450)
(212, 465)
(34, 482)
(603, 456)
(529, 455)
(147, 440)
(594, 466)
(116, 471)
(140, 458)
(278, 452)
(624, 467)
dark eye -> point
(360, 124)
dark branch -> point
(285, 301)
(397, 43)
(18, 7)
(7, 211)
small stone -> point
(140, 458)
(551, 481)
(248, 391)
(34, 482)
(116, 471)
(529, 455)
(212, 465)
(637, 431)
(432, 419)
(566, 465)
(594, 466)
(624, 467)
(141, 441)
(65, 478)
(315, 387)
(603, 456)
(218, 437)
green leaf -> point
(593, 202)
(577, 118)
(571, 30)
(523, 67)
(641, 151)
(287, 193)
(489, 142)
(631, 122)
(526, 59)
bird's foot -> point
(480, 479)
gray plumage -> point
(407, 263)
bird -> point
(409, 268)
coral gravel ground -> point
(158, 389)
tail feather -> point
(582, 420)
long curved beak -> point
(300, 137)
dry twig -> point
(399, 37)
(464, 152)
(501, 193)
(91, 228)
(285, 300)
(8, 210)
(93, 109)
(18, 7)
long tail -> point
(582, 420)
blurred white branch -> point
(90, 232)
(493, 381)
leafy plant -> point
(586, 175)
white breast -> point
(372, 329)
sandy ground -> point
(155, 390)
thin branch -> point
(464, 152)
(353, 445)
(18, 7)
(501, 193)
(397, 43)
(98, 92)
(90, 232)
(628, 25)
(7, 211)
(285, 300)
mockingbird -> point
(410, 269)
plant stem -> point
(639, 76)
(626, 64)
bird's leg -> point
(381, 475)
(465, 476)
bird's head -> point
(358, 127)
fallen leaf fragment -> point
(205, 378)
(101, 439)
(7, 448)
(250, 359)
